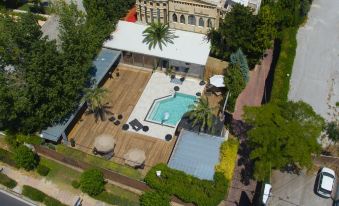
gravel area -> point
(315, 76)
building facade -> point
(189, 15)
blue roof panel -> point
(101, 65)
(196, 154)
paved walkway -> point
(253, 93)
(65, 196)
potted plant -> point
(72, 142)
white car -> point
(326, 181)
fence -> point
(82, 165)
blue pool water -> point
(176, 107)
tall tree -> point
(234, 83)
(158, 34)
(239, 58)
(202, 114)
(282, 134)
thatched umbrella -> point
(135, 157)
(104, 143)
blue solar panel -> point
(196, 154)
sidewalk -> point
(65, 196)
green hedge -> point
(6, 181)
(75, 184)
(37, 195)
(283, 69)
(7, 157)
(43, 170)
(154, 198)
(187, 187)
(115, 200)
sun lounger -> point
(136, 125)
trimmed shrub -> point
(92, 182)
(39, 196)
(24, 157)
(115, 200)
(154, 198)
(187, 187)
(332, 130)
(29, 139)
(75, 184)
(43, 170)
(33, 193)
(283, 69)
(7, 157)
(49, 201)
(6, 181)
(228, 157)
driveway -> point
(292, 190)
(315, 76)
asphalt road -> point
(295, 190)
(315, 76)
(6, 200)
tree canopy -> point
(92, 182)
(234, 83)
(24, 157)
(282, 134)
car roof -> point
(328, 170)
(327, 182)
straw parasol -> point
(135, 157)
(104, 143)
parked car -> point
(326, 181)
(266, 194)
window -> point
(182, 19)
(209, 23)
(151, 14)
(140, 13)
(158, 14)
(201, 22)
(174, 18)
(164, 4)
(191, 20)
(158, 4)
(146, 19)
(151, 3)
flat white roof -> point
(187, 47)
(243, 2)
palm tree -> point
(202, 114)
(158, 34)
(94, 97)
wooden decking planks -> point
(124, 93)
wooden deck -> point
(124, 93)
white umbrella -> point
(217, 81)
(104, 143)
(135, 157)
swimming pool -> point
(170, 110)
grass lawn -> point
(59, 173)
(99, 162)
(121, 192)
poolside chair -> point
(136, 125)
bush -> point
(7, 157)
(115, 200)
(37, 195)
(332, 130)
(33, 193)
(6, 181)
(49, 201)
(92, 182)
(43, 170)
(154, 198)
(29, 139)
(228, 157)
(24, 157)
(75, 184)
(187, 187)
(283, 69)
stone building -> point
(189, 15)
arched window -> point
(209, 23)
(182, 19)
(191, 20)
(201, 22)
(151, 3)
(174, 18)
